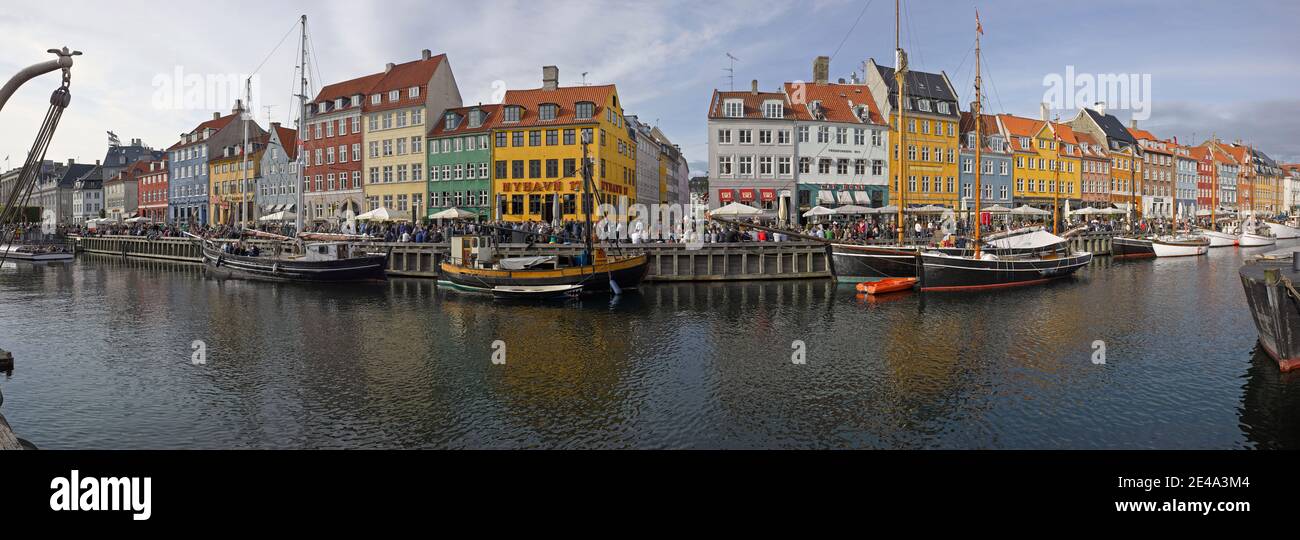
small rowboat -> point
(887, 285)
(537, 292)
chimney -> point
(216, 115)
(275, 125)
(753, 87)
(550, 77)
(1100, 106)
(239, 107)
(1132, 123)
(71, 162)
(821, 69)
(1042, 111)
(425, 54)
(388, 67)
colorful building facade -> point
(995, 164)
(151, 193)
(460, 160)
(396, 111)
(232, 177)
(537, 151)
(929, 160)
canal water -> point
(105, 359)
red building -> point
(151, 192)
(1206, 177)
(331, 143)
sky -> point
(1230, 69)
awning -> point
(726, 195)
(768, 195)
(825, 197)
(845, 197)
(747, 195)
(862, 198)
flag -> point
(979, 28)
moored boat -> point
(887, 285)
(1131, 247)
(1218, 238)
(483, 272)
(322, 262)
(35, 253)
(1180, 246)
(540, 292)
(1282, 231)
(1271, 293)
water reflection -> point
(104, 347)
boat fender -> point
(989, 257)
(275, 268)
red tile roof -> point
(415, 73)
(349, 88)
(967, 125)
(838, 101)
(217, 124)
(752, 105)
(1018, 127)
(1140, 134)
(288, 140)
(566, 98)
(491, 121)
(1089, 145)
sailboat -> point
(1253, 233)
(857, 262)
(1217, 238)
(1038, 256)
(1132, 245)
(1177, 244)
(473, 265)
(319, 262)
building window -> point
(585, 110)
(548, 111)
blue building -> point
(187, 166)
(996, 175)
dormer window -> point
(585, 110)
(548, 111)
(512, 113)
(923, 104)
(394, 95)
(773, 109)
(356, 100)
(475, 118)
(733, 108)
(376, 99)
(943, 107)
(413, 92)
(338, 103)
(450, 121)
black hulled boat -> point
(1269, 282)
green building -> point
(460, 160)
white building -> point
(752, 151)
(88, 196)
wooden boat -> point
(35, 253)
(887, 285)
(480, 271)
(1180, 246)
(1131, 247)
(1269, 282)
(539, 292)
(323, 262)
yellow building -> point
(229, 187)
(394, 115)
(1046, 160)
(537, 151)
(930, 134)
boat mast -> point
(1214, 185)
(979, 132)
(587, 200)
(900, 68)
(302, 127)
(243, 154)
(1133, 187)
(1056, 190)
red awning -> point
(769, 195)
(746, 195)
(726, 195)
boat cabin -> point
(325, 251)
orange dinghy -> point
(887, 285)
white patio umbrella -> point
(995, 209)
(1085, 211)
(1026, 210)
(852, 210)
(139, 219)
(736, 209)
(279, 216)
(454, 213)
(819, 211)
(927, 209)
(378, 214)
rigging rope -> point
(59, 101)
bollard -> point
(6, 361)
